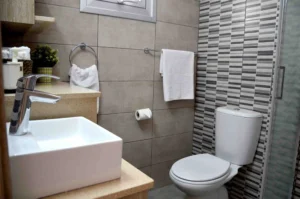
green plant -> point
(44, 56)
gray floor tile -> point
(167, 192)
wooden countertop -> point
(63, 89)
(132, 181)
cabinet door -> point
(17, 11)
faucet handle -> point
(28, 82)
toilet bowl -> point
(203, 176)
(199, 175)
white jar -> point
(12, 71)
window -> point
(144, 10)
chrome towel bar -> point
(148, 51)
(83, 46)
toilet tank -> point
(237, 134)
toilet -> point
(203, 176)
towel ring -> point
(83, 46)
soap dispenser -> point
(12, 71)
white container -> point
(60, 155)
(237, 134)
(12, 71)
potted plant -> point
(44, 59)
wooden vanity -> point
(133, 184)
(77, 101)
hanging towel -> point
(177, 70)
(87, 78)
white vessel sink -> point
(62, 154)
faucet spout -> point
(25, 95)
(39, 96)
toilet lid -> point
(199, 168)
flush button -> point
(236, 109)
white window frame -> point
(120, 10)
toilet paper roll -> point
(143, 114)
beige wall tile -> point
(126, 126)
(118, 97)
(146, 170)
(79, 57)
(160, 173)
(127, 75)
(157, 75)
(183, 12)
(138, 153)
(172, 121)
(70, 27)
(159, 102)
(176, 37)
(85, 107)
(124, 64)
(171, 147)
(68, 3)
(125, 33)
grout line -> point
(152, 110)
(127, 81)
(150, 165)
(51, 4)
(166, 161)
(94, 46)
(164, 136)
(61, 44)
(153, 77)
(97, 40)
(98, 71)
(123, 48)
(177, 24)
(143, 167)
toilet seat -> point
(202, 188)
(216, 181)
(200, 169)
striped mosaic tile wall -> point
(296, 186)
(237, 54)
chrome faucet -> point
(25, 95)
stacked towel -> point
(177, 69)
(6, 54)
(23, 53)
(87, 78)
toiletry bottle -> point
(12, 71)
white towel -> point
(87, 78)
(177, 69)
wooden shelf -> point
(41, 23)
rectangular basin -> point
(61, 155)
